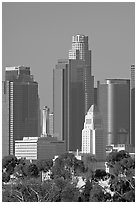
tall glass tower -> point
(80, 51)
(20, 104)
(73, 93)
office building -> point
(45, 121)
(39, 119)
(39, 148)
(80, 51)
(132, 85)
(132, 106)
(20, 107)
(49, 147)
(51, 116)
(114, 106)
(93, 138)
(69, 102)
(60, 98)
(73, 93)
(95, 96)
(26, 148)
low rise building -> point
(26, 148)
(48, 147)
(33, 148)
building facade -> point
(26, 148)
(132, 106)
(51, 118)
(39, 148)
(20, 107)
(45, 121)
(80, 51)
(60, 97)
(114, 106)
(49, 147)
(93, 141)
(73, 93)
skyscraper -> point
(132, 106)
(114, 106)
(73, 93)
(20, 107)
(51, 116)
(132, 85)
(45, 121)
(80, 51)
(60, 98)
(93, 140)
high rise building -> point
(45, 121)
(132, 85)
(69, 102)
(20, 107)
(73, 93)
(132, 106)
(51, 116)
(93, 141)
(60, 98)
(80, 51)
(95, 96)
(114, 106)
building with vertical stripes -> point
(114, 106)
(132, 106)
(93, 138)
(20, 107)
(73, 93)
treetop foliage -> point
(116, 186)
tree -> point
(9, 163)
(100, 173)
(85, 195)
(78, 166)
(64, 166)
(32, 170)
(5, 177)
(67, 165)
(70, 193)
(122, 184)
(97, 194)
(44, 165)
(115, 157)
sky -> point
(38, 34)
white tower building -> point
(45, 117)
(93, 140)
(80, 51)
(79, 47)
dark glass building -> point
(73, 93)
(20, 107)
(69, 102)
(132, 106)
(114, 105)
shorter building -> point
(39, 148)
(93, 140)
(120, 147)
(48, 147)
(26, 148)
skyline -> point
(110, 28)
